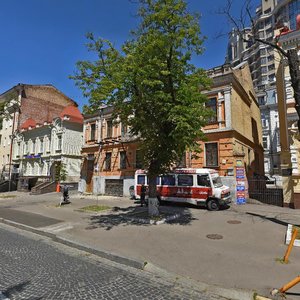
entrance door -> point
(90, 172)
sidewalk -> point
(236, 248)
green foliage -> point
(95, 208)
(151, 82)
(60, 172)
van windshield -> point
(217, 182)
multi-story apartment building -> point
(111, 155)
(38, 149)
(271, 14)
(41, 103)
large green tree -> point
(152, 84)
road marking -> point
(57, 228)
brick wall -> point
(39, 110)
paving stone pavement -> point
(33, 267)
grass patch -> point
(157, 218)
(280, 260)
(95, 208)
(7, 196)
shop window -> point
(211, 155)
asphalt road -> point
(33, 267)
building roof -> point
(28, 123)
(22, 86)
(72, 113)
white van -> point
(187, 185)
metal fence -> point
(265, 193)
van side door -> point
(167, 187)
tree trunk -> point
(293, 62)
(152, 200)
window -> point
(141, 179)
(264, 122)
(123, 160)
(93, 131)
(261, 100)
(48, 142)
(264, 69)
(108, 161)
(90, 164)
(33, 146)
(123, 130)
(203, 180)
(18, 149)
(139, 160)
(278, 137)
(265, 142)
(212, 104)
(182, 162)
(263, 60)
(211, 154)
(25, 148)
(59, 139)
(109, 128)
(168, 180)
(185, 180)
(41, 145)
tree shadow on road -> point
(272, 219)
(136, 215)
(13, 290)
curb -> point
(257, 297)
(228, 293)
(233, 294)
(101, 253)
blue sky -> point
(41, 40)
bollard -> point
(289, 284)
(289, 249)
(57, 188)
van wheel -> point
(213, 205)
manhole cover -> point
(214, 236)
(234, 222)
